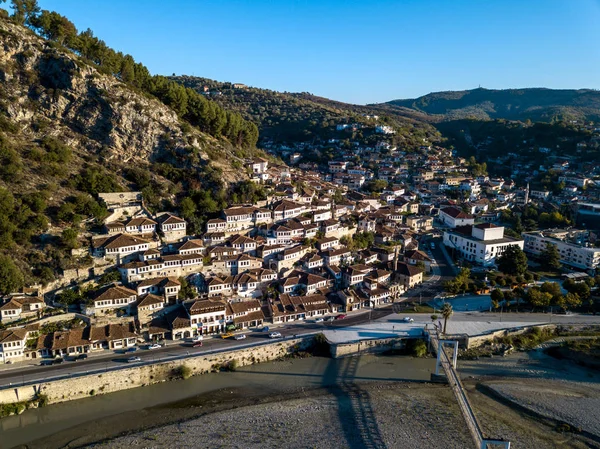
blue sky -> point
(356, 51)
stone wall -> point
(137, 376)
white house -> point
(482, 244)
(453, 217)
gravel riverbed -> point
(354, 416)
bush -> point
(183, 371)
(42, 400)
(417, 348)
(232, 365)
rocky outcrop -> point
(50, 90)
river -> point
(104, 416)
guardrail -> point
(167, 358)
(459, 393)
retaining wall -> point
(366, 346)
(478, 340)
(142, 375)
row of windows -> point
(11, 312)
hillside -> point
(512, 104)
(70, 129)
(295, 117)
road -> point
(442, 272)
(30, 371)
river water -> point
(104, 416)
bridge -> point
(448, 365)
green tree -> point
(24, 10)
(68, 297)
(513, 261)
(55, 27)
(537, 298)
(446, 313)
(550, 257)
(187, 208)
(69, 238)
(460, 283)
(496, 297)
(11, 277)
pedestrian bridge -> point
(448, 365)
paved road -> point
(442, 272)
(20, 373)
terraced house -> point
(12, 344)
(16, 307)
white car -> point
(319, 320)
(275, 335)
(133, 359)
(408, 319)
(240, 337)
(154, 346)
(197, 338)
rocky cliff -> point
(47, 90)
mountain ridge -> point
(535, 104)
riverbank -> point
(101, 417)
(144, 374)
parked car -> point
(133, 359)
(275, 335)
(197, 344)
(341, 316)
(198, 338)
(408, 319)
(46, 362)
(82, 356)
(319, 320)
(58, 361)
(132, 349)
(154, 346)
(227, 335)
(432, 245)
(265, 329)
(240, 337)
(329, 318)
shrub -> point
(417, 348)
(183, 371)
(42, 399)
(232, 365)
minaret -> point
(527, 194)
(396, 259)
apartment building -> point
(574, 254)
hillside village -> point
(330, 239)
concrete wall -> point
(137, 376)
(478, 340)
(366, 346)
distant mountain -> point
(512, 104)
